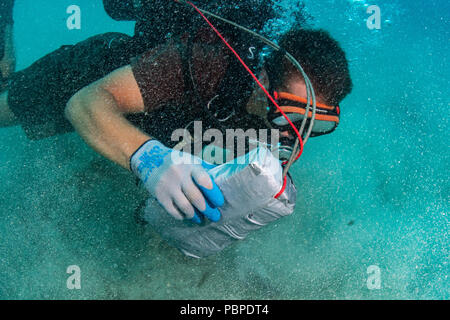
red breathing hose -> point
(260, 85)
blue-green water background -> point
(375, 192)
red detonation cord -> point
(260, 85)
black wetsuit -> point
(38, 95)
(6, 18)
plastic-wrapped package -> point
(249, 184)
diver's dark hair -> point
(321, 57)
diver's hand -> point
(178, 181)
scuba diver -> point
(191, 78)
(7, 58)
(35, 97)
(213, 70)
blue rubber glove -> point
(178, 181)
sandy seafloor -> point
(375, 192)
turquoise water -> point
(375, 192)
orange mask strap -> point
(320, 117)
(292, 97)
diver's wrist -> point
(130, 160)
(148, 160)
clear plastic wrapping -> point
(249, 185)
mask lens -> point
(319, 127)
(281, 121)
(322, 127)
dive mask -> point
(325, 122)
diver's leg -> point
(7, 55)
(7, 117)
(8, 59)
(37, 95)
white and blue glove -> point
(179, 182)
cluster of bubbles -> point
(289, 13)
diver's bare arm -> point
(97, 113)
